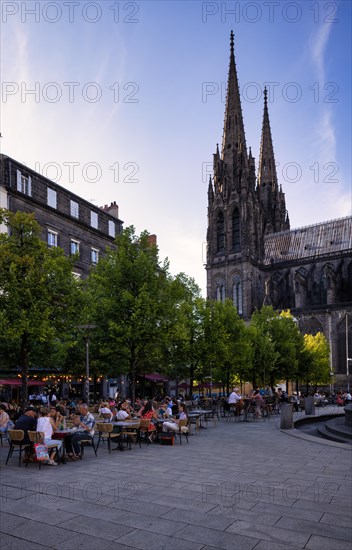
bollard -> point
(286, 422)
(309, 405)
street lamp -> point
(86, 328)
(347, 358)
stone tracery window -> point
(237, 296)
(236, 233)
(220, 233)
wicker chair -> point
(15, 438)
(38, 437)
(105, 434)
(181, 432)
(132, 434)
(144, 430)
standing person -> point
(85, 430)
(52, 397)
(259, 402)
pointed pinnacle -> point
(232, 43)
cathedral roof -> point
(321, 239)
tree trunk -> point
(23, 363)
(191, 375)
(133, 382)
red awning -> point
(18, 382)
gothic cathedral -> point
(254, 258)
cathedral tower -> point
(234, 222)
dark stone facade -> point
(66, 220)
(254, 258)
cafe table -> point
(60, 434)
(121, 424)
(202, 415)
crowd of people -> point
(54, 417)
(51, 416)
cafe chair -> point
(38, 437)
(193, 422)
(89, 442)
(144, 430)
(183, 424)
(15, 438)
(105, 434)
(131, 435)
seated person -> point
(5, 422)
(46, 424)
(27, 422)
(235, 401)
(149, 413)
(104, 409)
(174, 424)
(123, 411)
(85, 430)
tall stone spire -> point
(271, 196)
(234, 150)
(267, 169)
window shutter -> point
(29, 186)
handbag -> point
(41, 452)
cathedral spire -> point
(234, 140)
(271, 196)
(267, 169)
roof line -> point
(308, 226)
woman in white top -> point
(104, 409)
(46, 424)
(173, 426)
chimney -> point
(113, 209)
(152, 240)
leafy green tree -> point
(227, 350)
(264, 355)
(39, 296)
(282, 358)
(316, 366)
(130, 296)
(183, 336)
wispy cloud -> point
(325, 132)
(319, 41)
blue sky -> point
(129, 104)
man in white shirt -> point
(235, 401)
(234, 397)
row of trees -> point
(144, 319)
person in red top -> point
(149, 413)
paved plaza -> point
(235, 486)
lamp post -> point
(86, 328)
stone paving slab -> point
(213, 494)
(14, 543)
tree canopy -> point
(39, 296)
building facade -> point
(254, 258)
(66, 220)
